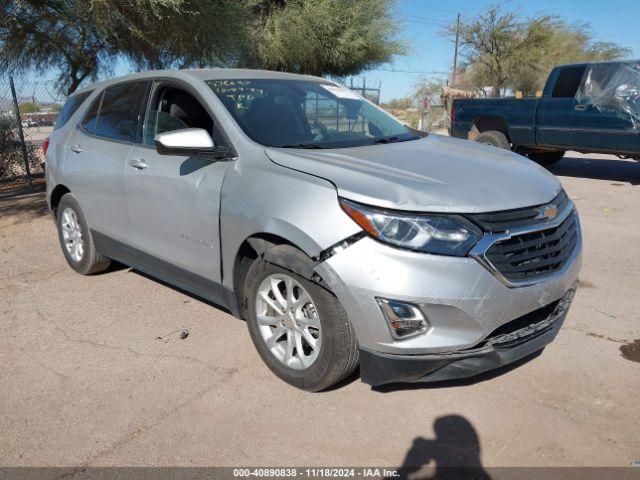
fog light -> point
(405, 320)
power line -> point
(433, 19)
(422, 21)
(422, 4)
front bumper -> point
(506, 346)
(463, 301)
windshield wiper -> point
(300, 145)
(393, 139)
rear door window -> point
(70, 107)
(116, 112)
(120, 111)
(568, 82)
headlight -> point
(430, 233)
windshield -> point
(304, 114)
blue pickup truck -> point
(590, 108)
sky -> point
(610, 20)
(430, 54)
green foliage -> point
(502, 50)
(551, 41)
(28, 107)
(399, 103)
(11, 156)
(324, 37)
(84, 38)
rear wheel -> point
(76, 240)
(495, 139)
(298, 327)
(546, 158)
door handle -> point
(582, 107)
(138, 163)
(76, 148)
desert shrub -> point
(11, 160)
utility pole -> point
(455, 54)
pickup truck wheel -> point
(495, 139)
(76, 240)
(546, 158)
(298, 327)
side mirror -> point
(188, 141)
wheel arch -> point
(57, 193)
(276, 249)
(488, 123)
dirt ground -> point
(93, 370)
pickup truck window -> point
(568, 82)
(614, 88)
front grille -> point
(531, 255)
(508, 219)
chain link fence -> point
(28, 111)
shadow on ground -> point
(626, 171)
(23, 208)
(454, 453)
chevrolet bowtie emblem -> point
(548, 213)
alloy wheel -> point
(72, 234)
(288, 321)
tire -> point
(546, 158)
(337, 355)
(75, 238)
(495, 139)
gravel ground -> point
(94, 371)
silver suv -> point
(341, 236)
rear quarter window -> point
(91, 117)
(70, 107)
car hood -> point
(435, 174)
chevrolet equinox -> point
(341, 236)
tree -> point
(399, 103)
(11, 156)
(501, 50)
(554, 42)
(491, 43)
(28, 107)
(83, 39)
(428, 88)
(324, 37)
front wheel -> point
(298, 327)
